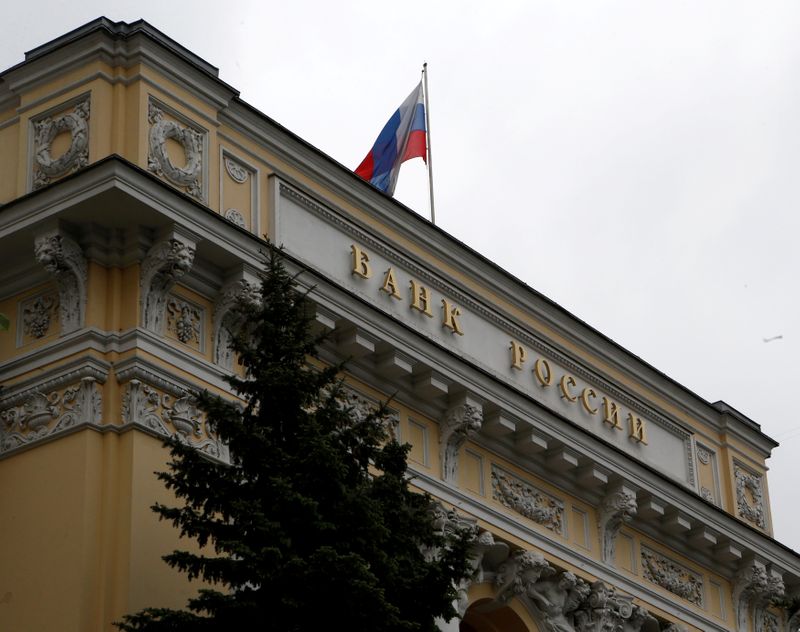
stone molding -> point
(528, 500)
(76, 123)
(619, 507)
(64, 260)
(459, 423)
(167, 261)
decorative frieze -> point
(672, 576)
(458, 424)
(75, 122)
(619, 507)
(169, 415)
(38, 412)
(38, 314)
(190, 176)
(185, 321)
(528, 500)
(166, 262)
(64, 260)
(749, 496)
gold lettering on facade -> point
(450, 314)
(611, 413)
(585, 395)
(541, 369)
(518, 354)
(421, 298)
(565, 383)
(361, 266)
(390, 285)
(638, 431)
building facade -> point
(136, 191)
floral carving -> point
(235, 170)
(183, 415)
(184, 320)
(459, 423)
(672, 576)
(37, 315)
(749, 498)
(189, 176)
(47, 168)
(40, 413)
(703, 455)
(527, 500)
(169, 415)
(236, 217)
(707, 494)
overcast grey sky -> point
(634, 161)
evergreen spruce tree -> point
(313, 523)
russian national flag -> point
(401, 139)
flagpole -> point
(428, 135)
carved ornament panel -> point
(169, 414)
(672, 576)
(39, 317)
(73, 121)
(749, 496)
(528, 500)
(40, 412)
(185, 322)
(165, 127)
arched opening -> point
(482, 617)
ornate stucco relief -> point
(619, 507)
(38, 315)
(754, 587)
(63, 258)
(185, 321)
(166, 262)
(163, 128)
(458, 424)
(672, 576)
(236, 217)
(528, 500)
(766, 621)
(236, 170)
(170, 414)
(75, 122)
(749, 496)
(227, 319)
(47, 409)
